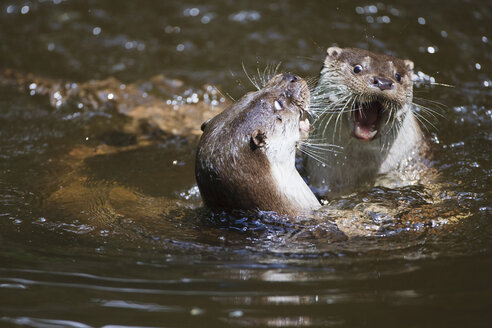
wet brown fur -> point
(241, 146)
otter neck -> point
(294, 190)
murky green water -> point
(100, 255)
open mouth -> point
(366, 117)
(304, 125)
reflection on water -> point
(100, 227)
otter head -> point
(243, 148)
(279, 117)
(376, 89)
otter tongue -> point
(365, 121)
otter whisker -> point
(320, 155)
(434, 83)
(320, 146)
(349, 104)
(390, 114)
(424, 120)
(434, 102)
(421, 110)
(431, 110)
(311, 82)
(443, 85)
(325, 125)
(316, 157)
(225, 95)
(393, 112)
(252, 80)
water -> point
(120, 238)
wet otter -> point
(362, 102)
(246, 155)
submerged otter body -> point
(246, 155)
(363, 103)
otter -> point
(246, 155)
(363, 103)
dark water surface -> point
(75, 261)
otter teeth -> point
(366, 134)
(304, 126)
(277, 105)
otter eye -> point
(278, 105)
(357, 69)
(398, 77)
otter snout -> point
(290, 77)
(382, 83)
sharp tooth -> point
(277, 105)
(304, 126)
(360, 132)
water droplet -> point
(24, 10)
(194, 12)
(478, 66)
(372, 9)
(96, 30)
(385, 19)
(236, 314)
(180, 47)
(172, 29)
(444, 34)
(431, 49)
(104, 233)
(10, 9)
(484, 39)
(421, 20)
(128, 45)
(245, 16)
(197, 311)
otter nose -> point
(382, 83)
(289, 77)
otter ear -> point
(204, 124)
(258, 139)
(334, 52)
(408, 64)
